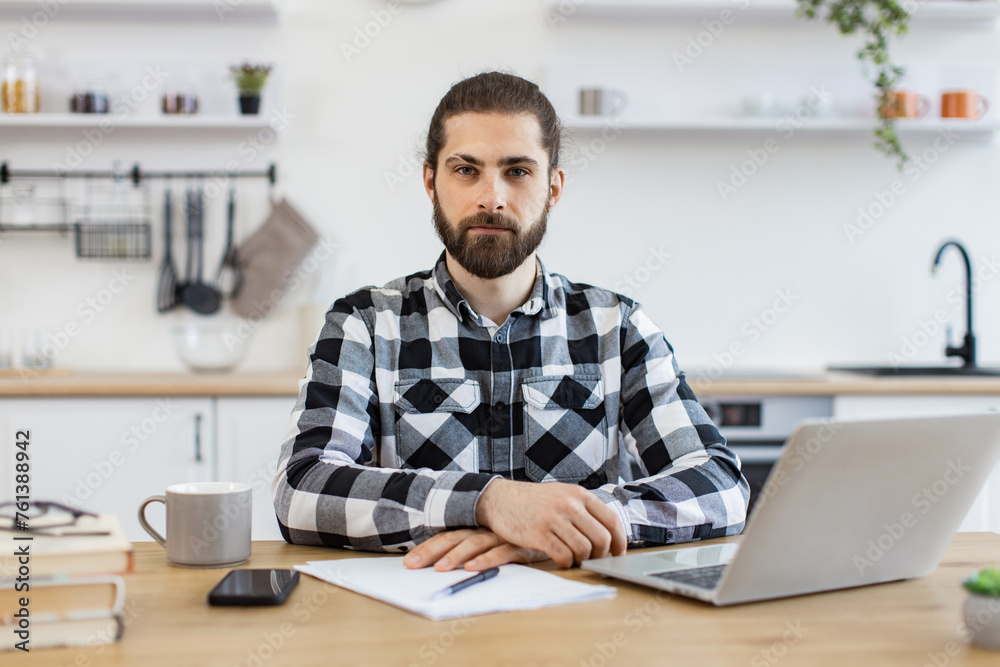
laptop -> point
(847, 504)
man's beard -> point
(489, 256)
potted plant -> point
(982, 608)
(877, 21)
(250, 80)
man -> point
(434, 406)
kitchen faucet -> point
(968, 349)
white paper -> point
(516, 587)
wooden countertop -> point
(285, 383)
(168, 622)
(69, 384)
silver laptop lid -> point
(856, 503)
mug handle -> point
(923, 106)
(985, 106)
(619, 102)
(145, 524)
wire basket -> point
(114, 221)
(34, 204)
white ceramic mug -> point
(602, 102)
(208, 523)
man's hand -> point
(566, 521)
(477, 549)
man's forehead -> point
(493, 135)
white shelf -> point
(56, 121)
(971, 129)
(930, 13)
(209, 11)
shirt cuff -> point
(451, 502)
(615, 504)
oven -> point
(756, 427)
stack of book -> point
(71, 586)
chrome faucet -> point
(968, 349)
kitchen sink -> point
(890, 371)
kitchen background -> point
(354, 86)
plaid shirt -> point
(413, 403)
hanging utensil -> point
(166, 291)
(197, 295)
(229, 277)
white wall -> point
(354, 122)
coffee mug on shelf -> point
(905, 104)
(963, 104)
(602, 102)
(208, 523)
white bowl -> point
(209, 348)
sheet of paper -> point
(516, 587)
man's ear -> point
(429, 180)
(556, 184)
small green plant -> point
(877, 21)
(984, 582)
(250, 79)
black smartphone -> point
(254, 587)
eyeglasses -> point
(44, 518)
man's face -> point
(492, 191)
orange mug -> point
(963, 104)
(905, 104)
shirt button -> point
(499, 338)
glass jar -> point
(19, 90)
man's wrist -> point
(484, 505)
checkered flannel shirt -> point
(413, 403)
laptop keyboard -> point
(699, 577)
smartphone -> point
(254, 587)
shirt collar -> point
(541, 301)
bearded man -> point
(488, 411)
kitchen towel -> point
(385, 578)
(268, 257)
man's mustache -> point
(496, 220)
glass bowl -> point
(207, 348)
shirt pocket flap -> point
(437, 395)
(567, 392)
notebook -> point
(516, 587)
(69, 554)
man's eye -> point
(466, 171)
(518, 172)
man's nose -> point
(492, 198)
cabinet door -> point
(108, 454)
(250, 433)
(985, 511)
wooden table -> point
(915, 622)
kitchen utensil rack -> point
(113, 221)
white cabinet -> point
(108, 454)
(985, 512)
(250, 433)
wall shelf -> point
(930, 13)
(217, 11)
(972, 130)
(67, 121)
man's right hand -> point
(566, 521)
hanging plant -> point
(877, 21)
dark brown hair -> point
(495, 92)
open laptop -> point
(847, 504)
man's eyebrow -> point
(517, 159)
(464, 158)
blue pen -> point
(465, 583)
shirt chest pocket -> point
(566, 429)
(436, 424)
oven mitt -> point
(268, 256)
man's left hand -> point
(476, 548)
